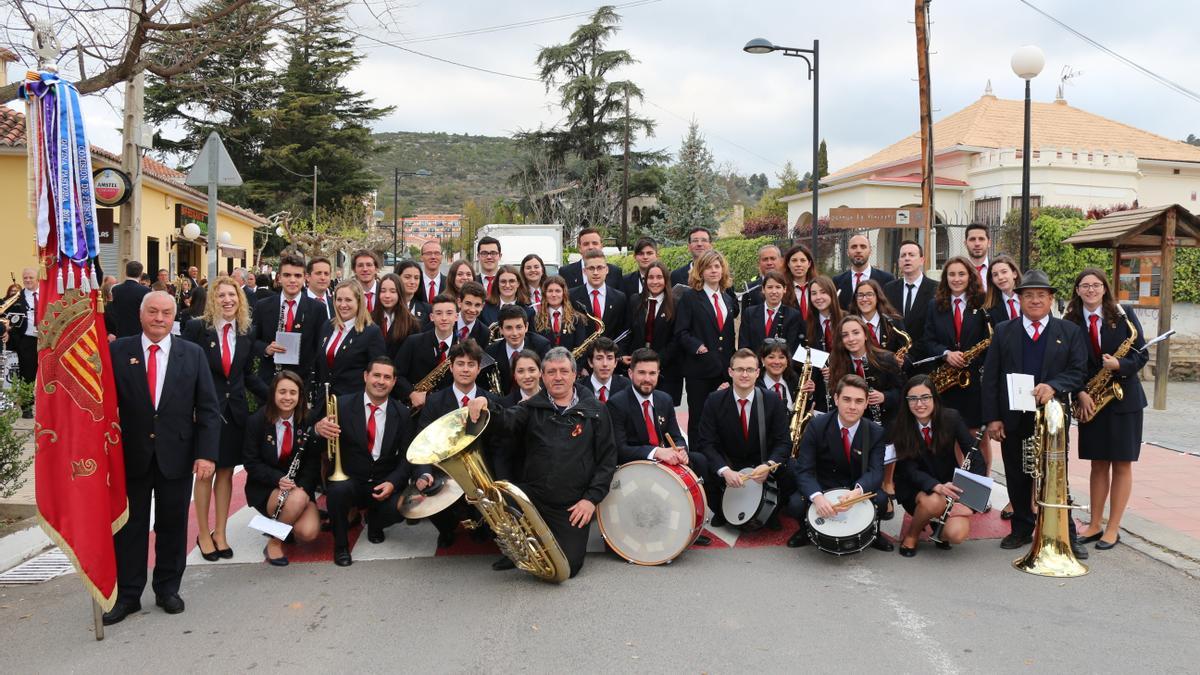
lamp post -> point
(764, 46)
(396, 205)
(1027, 62)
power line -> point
(520, 24)
(717, 136)
(1170, 84)
(395, 45)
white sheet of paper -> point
(175, 328)
(819, 358)
(889, 454)
(1020, 392)
(290, 342)
(272, 527)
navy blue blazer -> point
(845, 282)
(121, 315)
(230, 391)
(491, 314)
(422, 293)
(1111, 337)
(662, 342)
(629, 424)
(786, 325)
(720, 437)
(185, 426)
(398, 433)
(350, 361)
(631, 285)
(498, 350)
(615, 308)
(679, 275)
(310, 316)
(573, 273)
(1064, 366)
(261, 459)
(417, 357)
(939, 329)
(696, 325)
(822, 465)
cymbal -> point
(413, 504)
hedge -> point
(741, 253)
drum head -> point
(846, 523)
(648, 516)
(740, 504)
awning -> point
(231, 251)
(1138, 228)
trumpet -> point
(334, 444)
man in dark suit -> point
(487, 251)
(365, 265)
(471, 300)
(121, 316)
(589, 240)
(769, 258)
(170, 429)
(699, 241)
(741, 427)
(374, 433)
(25, 340)
(911, 293)
(841, 449)
(296, 312)
(421, 353)
(602, 361)
(318, 275)
(859, 251)
(433, 281)
(645, 252)
(1054, 352)
(514, 328)
(596, 294)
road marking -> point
(908, 621)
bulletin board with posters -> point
(1140, 279)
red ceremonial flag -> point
(79, 468)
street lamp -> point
(764, 46)
(396, 204)
(1026, 62)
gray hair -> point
(156, 294)
(767, 246)
(559, 354)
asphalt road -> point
(731, 610)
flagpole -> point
(98, 619)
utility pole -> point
(625, 178)
(130, 232)
(396, 211)
(927, 159)
(316, 172)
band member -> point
(589, 240)
(290, 312)
(422, 353)
(911, 293)
(273, 442)
(777, 375)
(533, 273)
(470, 304)
(643, 419)
(318, 274)
(699, 243)
(26, 344)
(602, 362)
(349, 341)
(859, 252)
(925, 435)
(506, 291)
(768, 260)
(366, 266)
(842, 450)
(487, 251)
(978, 242)
(597, 296)
(769, 317)
(955, 323)
(568, 453)
(121, 317)
(823, 319)
(374, 432)
(458, 274)
(1111, 438)
(742, 427)
(798, 271)
(170, 428)
(433, 281)
(1002, 302)
(527, 372)
(410, 292)
(652, 325)
(223, 335)
(514, 329)
(1054, 352)
(883, 321)
(557, 320)
(645, 253)
(392, 317)
(704, 327)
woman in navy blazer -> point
(959, 293)
(1112, 439)
(1002, 301)
(558, 321)
(392, 316)
(706, 337)
(349, 341)
(786, 322)
(507, 290)
(824, 317)
(225, 326)
(657, 333)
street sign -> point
(873, 218)
(227, 173)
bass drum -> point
(850, 531)
(749, 507)
(653, 512)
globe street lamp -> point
(1026, 62)
(764, 46)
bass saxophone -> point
(802, 413)
(1102, 387)
(334, 444)
(452, 442)
(1044, 456)
(946, 376)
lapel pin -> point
(577, 430)
(212, 345)
(133, 361)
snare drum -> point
(850, 531)
(653, 511)
(750, 506)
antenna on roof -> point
(1064, 79)
(987, 91)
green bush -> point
(741, 253)
(1060, 261)
(13, 462)
(1187, 275)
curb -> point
(26, 541)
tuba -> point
(452, 443)
(1044, 456)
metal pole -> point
(1025, 153)
(316, 172)
(214, 236)
(816, 172)
(98, 620)
(395, 209)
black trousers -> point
(672, 383)
(572, 540)
(698, 389)
(1019, 483)
(27, 354)
(341, 496)
(132, 542)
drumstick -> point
(843, 505)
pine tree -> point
(692, 195)
(789, 180)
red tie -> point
(857, 280)
(596, 305)
(370, 301)
(333, 345)
(650, 314)
(745, 422)
(874, 337)
(1012, 308)
(490, 281)
(928, 436)
(958, 320)
(432, 291)
(720, 316)
(465, 401)
(804, 300)
(537, 296)
(604, 394)
(828, 336)
(779, 390)
(770, 320)
(152, 374)
(441, 351)
(286, 450)
(651, 432)
(1095, 330)
(371, 429)
(291, 316)
(846, 443)
(858, 368)
(462, 333)
(1037, 333)
(557, 332)
(982, 279)
(226, 357)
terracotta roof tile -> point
(12, 127)
(993, 122)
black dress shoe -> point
(212, 556)
(375, 535)
(1105, 546)
(1090, 538)
(171, 604)
(281, 561)
(1080, 551)
(1013, 541)
(341, 557)
(1006, 515)
(945, 546)
(702, 540)
(445, 539)
(121, 610)
(890, 511)
(881, 544)
(225, 553)
(799, 538)
(503, 564)
(908, 552)
(717, 520)
(773, 524)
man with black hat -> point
(1054, 352)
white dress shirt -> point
(1028, 323)
(641, 400)
(1016, 303)
(380, 424)
(279, 429)
(708, 294)
(853, 430)
(737, 406)
(221, 323)
(769, 384)
(459, 394)
(31, 313)
(596, 384)
(160, 364)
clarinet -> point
(876, 413)
(300, 440)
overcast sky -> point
(756, 110)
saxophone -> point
(1102, 388)
(584, 346)
(430, 381)
(946, 376)
(1044, 456)
(802, 413)
(903, 351)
